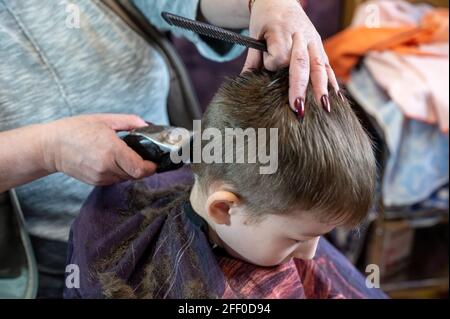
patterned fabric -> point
(137, 240)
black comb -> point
(213, 31)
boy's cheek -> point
(257, 257)
(239, 245)
(255, 252)
(252, 244)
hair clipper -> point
(162, 144)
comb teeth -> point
(213, 31)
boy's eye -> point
(302, 241)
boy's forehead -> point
(302, 223)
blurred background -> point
(400, 93)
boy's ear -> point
(218, 206)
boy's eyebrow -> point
(319, 234)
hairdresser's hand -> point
(87, 148)
(292, 41)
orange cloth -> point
(347, 47)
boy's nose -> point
(308, 250)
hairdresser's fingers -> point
(330, 72)
(319, 77)
(93, 177)
(132, 164)
(332, 78)
(109, 172)
(298, 75)
(105, 171)
(119, 171)
(253, 62)
(108, 180)
(279, 46)
(122, 122)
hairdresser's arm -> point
(291, 38)
(85, 147)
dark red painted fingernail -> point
(300, 107)
(326, 103)
(341, 95)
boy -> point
(230, 231)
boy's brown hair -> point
(326, 164)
